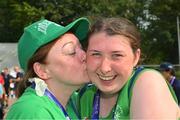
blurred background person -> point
(19, 73)
(7, 77)
(1, 86)
(1, 95)
(168, 71)
(14, 83)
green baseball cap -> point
(45, 31)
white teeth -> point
(106, 77)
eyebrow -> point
(67, 43)
(93, 51)
(116, 51)
(100, 51)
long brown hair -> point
(118, 26)
(39, 56)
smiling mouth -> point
(106, 78)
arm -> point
(152, 99)
(18, 77)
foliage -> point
(162, 30)
(178, 74)
(156, 20)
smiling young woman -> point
(120, 90)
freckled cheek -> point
(116, 67)
(119, 67)
(124, 71)
(92, 64)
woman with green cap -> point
(54, 65)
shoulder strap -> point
(137, 71)
(74, 101)
(83, 89)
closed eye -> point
(69, 49)
(95, 54)
(117, 55)
(72, 53)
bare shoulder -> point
(151, 82)
(151, 76)
(150, 79)
(152, 97)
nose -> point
(82, 55)
(105, 66)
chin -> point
(109, 91)
(76, 87)
(79, 85)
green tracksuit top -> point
(30, 106)
(83, 101)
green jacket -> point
(30, 106)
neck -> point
(107, 102)
(61, 92)
(62, 97)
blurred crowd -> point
(9, 79)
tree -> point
(161, 33)
(156, 20)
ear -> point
(40, 70)
(137, 55)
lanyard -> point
(54, 99)
(96, 106)
(172, 80)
